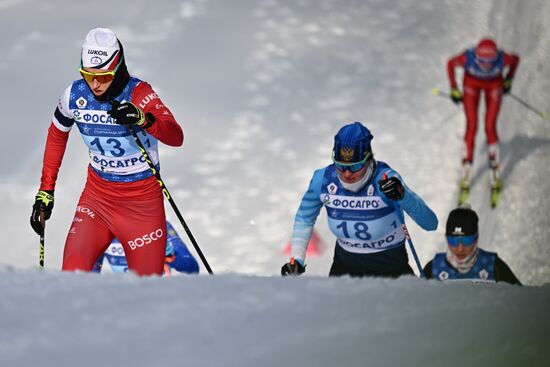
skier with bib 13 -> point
(365, 201)
(121, 197)
(490, 71)
(177, 256)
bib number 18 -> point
(360, 229)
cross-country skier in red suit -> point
(121, 197)
(484, 69)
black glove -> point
(127, 113)
(507, 85)
(392, 188)
(43, 201)
(294, 267)
(456, 96)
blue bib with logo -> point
(473, 68)
(483, 270)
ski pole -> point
(408, 237)
(541, 114)
(169, 197)
(438, 92)
(422, 275)
(41, 251)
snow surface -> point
(58, 319)
(260, 88)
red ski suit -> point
(492, 86)
(127, 207)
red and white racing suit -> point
(490, 82)
(121, 197)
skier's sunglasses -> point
(104, 77)
(352, 167)
(454, 241)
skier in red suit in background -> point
(484, 69)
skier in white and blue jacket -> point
(464, 260)
(365, 201)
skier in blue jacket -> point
(464, 260)
(365, 201)
(177, 257)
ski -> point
(464, 192)
(495, 193)
(496, 186)
(464, 187)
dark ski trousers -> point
(390, 263)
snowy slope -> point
(120, 320)
(260, 88)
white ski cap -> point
(101, 49)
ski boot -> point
(465, 183)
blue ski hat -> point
(352, 143)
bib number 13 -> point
(360, 229)
(113, 144)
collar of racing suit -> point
(361, 183)
(463, 266)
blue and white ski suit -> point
(365, 223)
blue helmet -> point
(352, 143)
